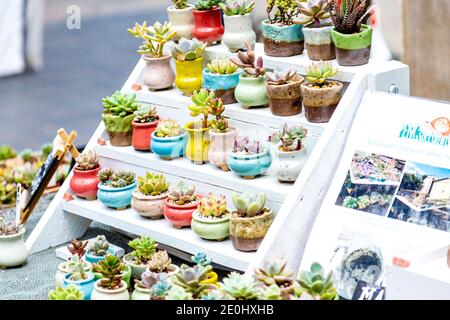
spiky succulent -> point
(160, 262)
(168, 128)
(206, 4)
(143, 249)
(216, 109)
(315, 283)
(188, 50)
(237, 7)
(280, 77)
(274, 273)
(75, 269)
(87, 160)
(105, 175)
(190, 279)
(116, 179)
(313, 13)
(154, 37)
(120, 104)
(213, 206)
(349, 15)
(220, 125)
(281, 11)
(100, 246)
(222, 66)
(240, 287)
(243, 145)
(69, 293)
(180, 4)
(111, 270)
(152, 184)
(249, 203)
(145, 114)
(78, 247)
(317, 73)
(247, 60)
(290, 138)
(201, 259)
(182, 193)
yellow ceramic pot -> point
(198, 144)
(189, 75)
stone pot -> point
(211, 228)
(247, 233)
(285, 99)
(290, 164)
(13, 252)
(179, 215)
(174, 269)
(84, 183)
(221, 145)
(140, 293)
(62, 271)
(223, 85)
(198, 144)
(148, 206)
(181, 21)
(251, 92)
(320, 103)
(169, 147)
(353, 49)
(136, 269)
(101, 293)
(119, 129)
(96, 259)
(319, 44)
(158, 73)
(142, 134)
(238, 31)
(250, 166)
(189, 75)
(86, 285)
(208, 25)
(282, 41)
(116, 198)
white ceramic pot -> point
(290, 164)
(182, 21)
(238, 31)
(136, 270)
(220, 147)
(140, 293)
(13, 252)
(101, 293)
(149, 206)
(174, 269)
(62, 271)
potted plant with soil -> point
(110, 286)
(145, 122)
(99, 249)
(77, 276)
(249, 159)
(282, 37)
(208, 21)
(169, 140)
(291, 152)
(84, 182)
(251, 220)
(69, 293)
(148, 199)
(283, 90)
(161, 263)
(143, 250)
(317, 284)
(251, 90)
(116, 188)
(151, 284)
(238, 24)
(76, 247)
(188, 55)
(275, 273)
(158, 73)
(181, 202)
(117, 116)
(211, 220)
(222, 76)
(317, 26)
(351, 37)
(190, 279)
(12, 247)
(320, 96)
(181, 19)
(240, 287)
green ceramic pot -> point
(251, 92)
(353, 49)
(211, 228)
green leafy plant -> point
(274, 273)
(222, 66)
(213, 206)
(154, 37)
(252, 66)
(111, 270)
(243, 145)
(290, 138)
(69, 293)
(249, 204)
(350, 202)
(75, 269)
(182, 193)
(7, 152)
(116, 179)
(118, 111)
(180, 4)
(100, 246)
(144, 248)
(315, 283)
(145, 114)
(281, 11)
(188, 50)
(318, 73)
(240, 287)
(87, 160)
(152, 184)
(190, 279)
(206, 4)
(168, 128)
(349, 15)
(314, 13)
(273, 292)
(201, 105)
(160, 262)
(78, 247)
(237, 7)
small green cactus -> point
(180, 4)
(69, 293)
(235, 7)
(240, 287)
(160, 262)
(222, 66)
(168, 128)
(182, 193)
(315, 283)
(145, 114)
(111, 270)
(188, 50)
(348, 16)
(317, 73)
(154, 37)
(153, 184)
(249, 203)
(213, 206)
(190, 279)
(100, 246)
(143, 249)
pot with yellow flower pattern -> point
(198, 144)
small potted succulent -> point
(281, 36)
(143, 250)
(291, 152)
(251, 220)
(275, 273)
(98, 249)
(117, 116)
(111, 286)
(251, 90)
(249, 159)
(158, 73)
(148, 199)
(202, 260)
(181, 202)
(238, 24)
(240, 287)
(191, 280)
(320, 96)
(144, 123)
(12, 248)
(222, 76)
(84, 182)
(188, 55)
(318, 284)
(181, 19)
(211, 220)
(77, 276)
(169, 140)
(208, 21)
(283, 90)
(116, 188)
(150, 285)
(75, 247)
(69, 293)
(161, 263)
(317, 26)
(351, 37)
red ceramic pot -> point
(208, 25)
(142, 134)
(179, 216)
(84, 184)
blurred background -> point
(53, 75)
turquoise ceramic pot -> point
(251, 92)
(169, 147)
(216, 82)
(118, 198)
(250, 166)
(126, 275)
(87, 286)
(95, 259)
(210, 228)
(282, 41)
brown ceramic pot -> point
(120, 139)
(320, 103)
(286, 99)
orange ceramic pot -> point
(84, 183)
(179, 215)
(142, 135)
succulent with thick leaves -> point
(100, 246)
(180, 4)
(87, 160)
(177, 293)
(284, 11)
(216, 108)
(120, 104)
(161, 288)
(200, 106)
(201, 259)
(290, 137)
(247, 60)
(349, 15)
(240, 287)
(222, 66)
(144, 248)
(237, 7)
(190, 279)
(317, 73)
(280, 77)
(243, 145)
(149, 279)
(153, 184)
(69, 293)
(160, 262)
(154, 37)
(249, 203)
(111, 270)
(78, 247)
(274, 273)
(206, 4)
(314, 13)
(213, 206)
(168, 128)
(315, 283)
(75, 268)
(8, 225)
(122, 179)
(188, 50)
(182, 193)
(145, 114)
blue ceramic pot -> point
(117, 198)
(87, 285)
(282, 41)
(169, 147)
(95, 259)
(250, 166)
(212, 81)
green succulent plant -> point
(7, 152)
(188, 50)
(290, 138)
(168, 128)
(190, 279)
(111, 270)
(206, 4)
(116, 179)
(69, 293)
(237, 7)
(118, 111)
(88, 160)
(249, 203)
(273, 292)
(160, 262)
(213, 206)
(153, 184)
(46, 149)
(177, 293)
(317, 73)
(274, 273)
(145, 114)
(313, 13)
(350, 202)
(200, 105)
(180, 4)
(240, 287)
(281, 11)
(154, 37)
(161, 289)
(349, 15)
(222, 66)
(182, 193)
(75, 269)
(143, 249)
(26, 154)
(100, 246)
(316, 283)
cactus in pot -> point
(84, 182)
(181, 202)
(144, 123)
(169, 140)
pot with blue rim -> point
(281, 40)
(222, 80)
(169, 140)
(116, 188)
(86, 285)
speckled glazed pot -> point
(84, 183)
(221, 145)
(247, 233)
(282, 41)
(13, 252)
(62, 271)
(148, 206)
(158, 73)
(181, 21)
(353, 49)
(179, 215)
(116, 198)
(250, 166)
(320, 103)
(169, 147)
(223, 85)
(208, 25)
(285, 99)
(251, 91)
(189, 75)
(198, 144)
(101, 293)
(211, 228)
(319, 44)
(87, 285)
(238, 31)
(142, 134)
(289, 164)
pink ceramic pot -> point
(221, 144)
(179, 215)
(148, 206)
(158, 73)
(84, 184)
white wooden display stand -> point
(64, 221)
